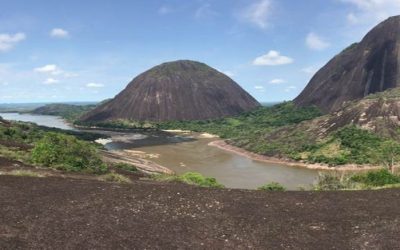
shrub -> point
(67, 153)
(273, 186)
(114, 177)
(190, 178)
(126, 167)
(329, 181)
(376, 178)
(199, 180)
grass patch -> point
(376, 178)
(114, 177)
(126, 167)
(331, 182)
(369, 180)
(191, 178)
(27, 173)
(15, 154)
(273, 186)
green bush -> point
(199, 180)
(126, 167)
(67, 153)
(330, 181)
(190, 178)
(376, 178)
(273, 186)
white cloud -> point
(372, 11)
(257, 13)
(205, 11)
(50, 81)
(272, 58)
(8, 41)
(163, 10)
(70, 75)
(94, 85)
(290, 88)
(277, 81)
(259, 88)
(352, 18)
(314, 42)
(49, 69)
(59, 33)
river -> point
(187, 152)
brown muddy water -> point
(184, 153)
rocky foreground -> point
(69, 213)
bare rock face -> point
(373, 65)
(180, 90)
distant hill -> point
(67, 111)
(179, 90)
(363, 68)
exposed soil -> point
(14, 144)
(8, 164)
(65, 213)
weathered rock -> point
(378, 113)
(180, 90)
(363, 68)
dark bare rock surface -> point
(180, 90)
(373, 65)
(64, 213)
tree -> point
(390, 154)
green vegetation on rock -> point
(382, 178)
(273, 186)
(30, 143)
(376, 178)
(249, 124)
(191, 178)
(351, 144)
(126, 167)
(67, 153)
(114, 177)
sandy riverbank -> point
(126, 156)
(257, 157)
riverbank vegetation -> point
(191, 178)
(347, 145)
(273, 186)
(56, 149)
(248, 124)
(335, 181)
(290, 132)
(378, 179)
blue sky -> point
(57, 51)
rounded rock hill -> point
(367, 67)
(179, 90)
